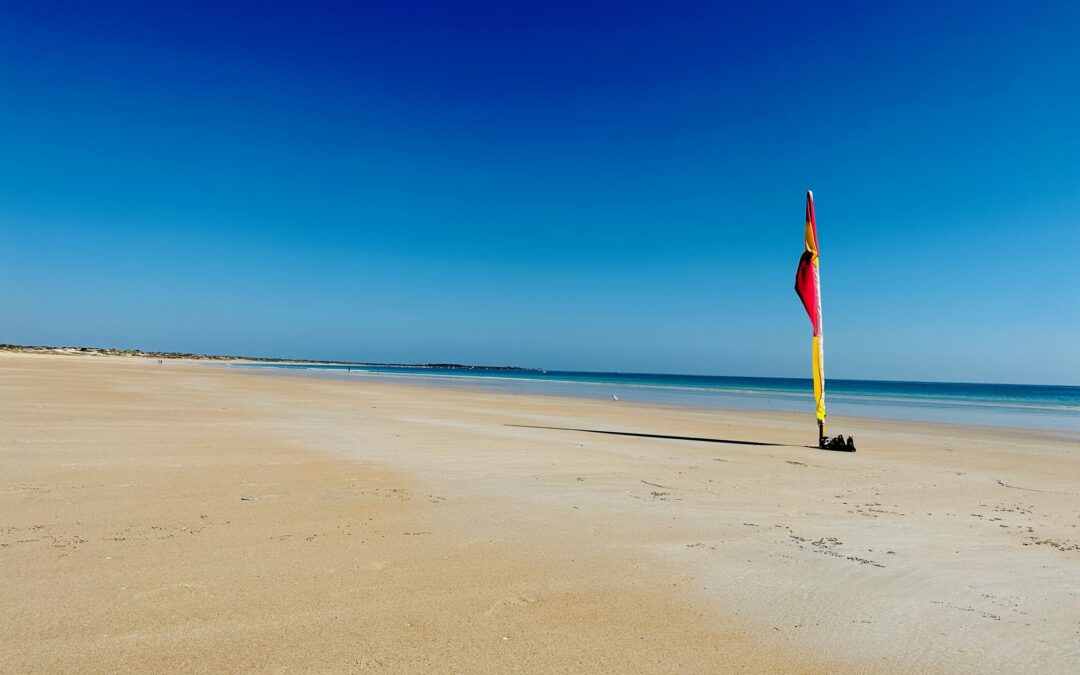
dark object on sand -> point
(837, 443)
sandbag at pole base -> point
(836, 443)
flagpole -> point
(808, 288)
(819, 365)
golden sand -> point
(188, 516)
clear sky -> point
(602, 186)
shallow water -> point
(1006, 405)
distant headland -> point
(138, 353)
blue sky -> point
(606, 186)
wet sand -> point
(189, 516)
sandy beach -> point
(189, 516)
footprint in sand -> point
(518, 601)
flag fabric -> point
(808, 287)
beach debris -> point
(614, 397)
(246, 499)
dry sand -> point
(189, 516)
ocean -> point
(1006, 405)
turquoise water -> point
(1010, 405)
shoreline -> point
(1061, 416)
(466, 382)
(208, 518)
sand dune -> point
(188, 516)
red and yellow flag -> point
(808, 286)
